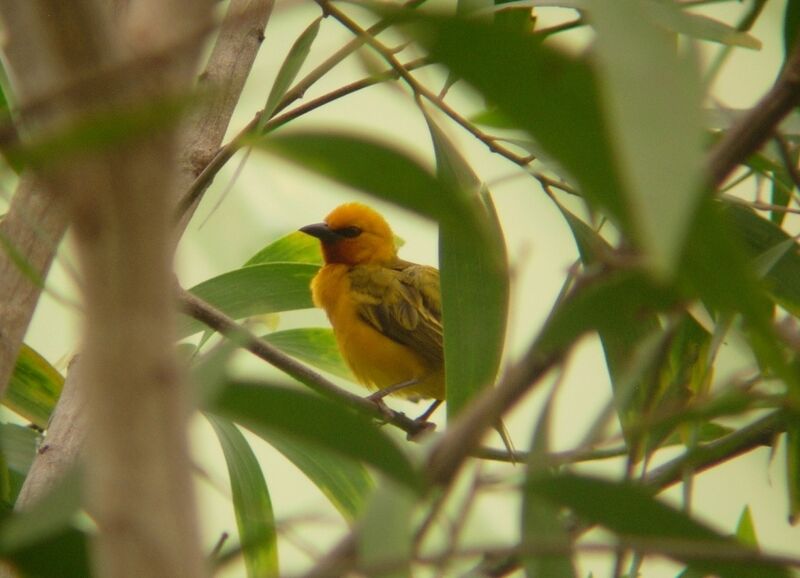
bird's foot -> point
(384, 409)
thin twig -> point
(420, 90)
(226, 152)
(215, 319)
(758, 125)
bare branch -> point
(758, 125)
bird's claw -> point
(384, 409)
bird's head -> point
(354, 234)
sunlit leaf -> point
(251, 501)
(629, 511)
(254, 290)
(34, 387)
(295, 247)
(318, 421)
(291, 66)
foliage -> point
(672, 273)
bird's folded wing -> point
(403, 303)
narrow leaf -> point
(677, 19)
(42, 542)
(331, 155)
(255, 290)
(34, 387)
(541, 521)
(345, 482)
(474, 281)
(760, 235)
(296, 247)
(385, 537)
(315, 346)
(629, 511)
(318, 421)
(653, 98)
(291, 66)
(541, 90)
(251, 501)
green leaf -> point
(315, 346)
(631, 392)
(746, 530)
(541, 521)
(781, 193)
(332, 155)
(474, 280)
(34, 387)
(291, 66)
(19, 445)
(760, 236)
(540, 89)
(255, 290)
(295, 247)
(629, 511)
(385, 537)
(345, 482)
(251, 501)
(653, 99)
(597, 307)
(668, 15)
(41, 542)
(492, 118)
(318, 421)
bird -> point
(386, 312)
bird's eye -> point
(349, 232)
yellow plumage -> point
(385, 312)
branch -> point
(758, 125)
(215, 319)
(227, 69)
(195, 191)
(30, 232)
(419, 89)
(62, 442)
(222, 81)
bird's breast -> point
(376, 360)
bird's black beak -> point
(322, 232)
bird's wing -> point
(403, 302)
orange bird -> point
(386, 313)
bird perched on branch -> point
(386, 313)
